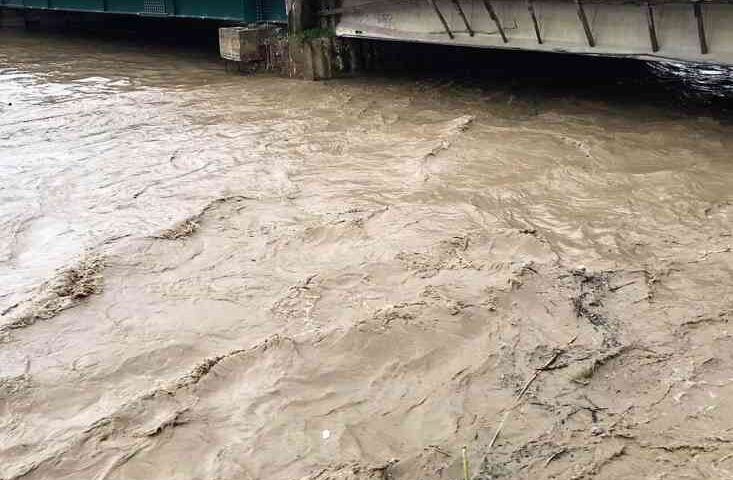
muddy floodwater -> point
(219, 277)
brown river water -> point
(208, 276)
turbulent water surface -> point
(206, 276)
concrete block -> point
(243, 44)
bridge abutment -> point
(312, 49)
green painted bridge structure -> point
(246, 11)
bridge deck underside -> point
(686, 31)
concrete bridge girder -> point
(676, 30)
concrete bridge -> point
(691, 31)
(683, 30)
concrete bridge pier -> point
(312, 50)
(316, 53)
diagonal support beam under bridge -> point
(586, 26)
(535, 23)
(697, 8)
(495, 18)
(457, 3)
(442, 18)
(652, 26)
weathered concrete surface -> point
(251, 49)
(315, 58)
(302, 15)
(241, 44)
(309, 58)
(619, 30)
